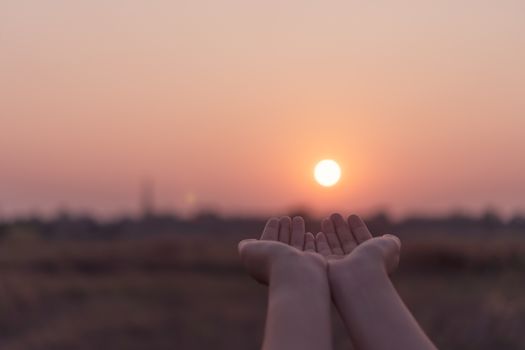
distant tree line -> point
(68, 226)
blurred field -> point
(187, 291)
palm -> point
(344, 240)
(282, 238)
(339, 237)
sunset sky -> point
(228, 105)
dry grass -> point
(188, 292)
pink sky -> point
(229, 105)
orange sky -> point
(229, 104)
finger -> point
(271, 230)
(309, 242)
(284, 229)
(253, 259)
(298, 236)
(359, 229)
(391, 246)
(396, 240)
(322, 245)
(344, 233)
(244, 245)
(244, 242)
(327, 226)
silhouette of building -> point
(147, 198)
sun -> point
(327, 172)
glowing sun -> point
(327, 172)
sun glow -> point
(327, 172)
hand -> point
(358, 266)
(345, 243)
(282, 243)
(285, 259)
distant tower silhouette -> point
(147, 198)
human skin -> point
(285, 258)
(358, 267)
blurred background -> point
(140, 140)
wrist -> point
(299, 269)
(356, 272)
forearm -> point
(298, 308)
(373, 312)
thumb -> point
(242, 244)
(391, 250)
(395, 239)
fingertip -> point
(272, 223)
(321, 237)
(285, 225)
(247, 240)
(243, 243)
(355, 220)
(298, 225)
(321, 243)
(309, 242)
(285, 219)
(393, 238)
(335, 216)
(271, 229)
(359, 228)
(273, 219)
(327, 225)
(340, 224)
(298, 218)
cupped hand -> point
(282, 243)
(349, 242)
